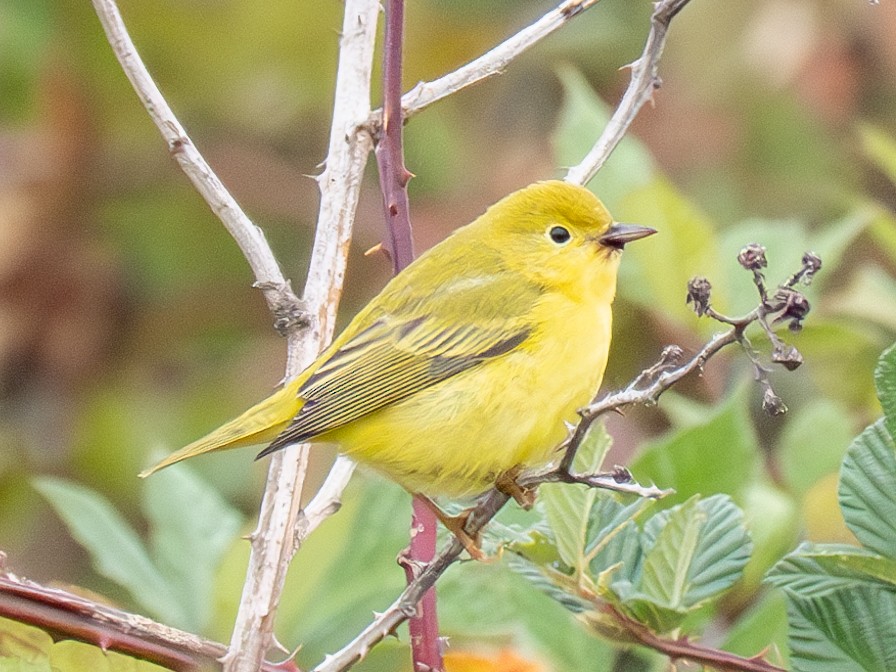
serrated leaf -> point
(114, 547)
(613, 537)
(848, 630)
(868, 489)
(568, 507)
(885, 381)
(192, 528)
(693, 552)
(817, 570)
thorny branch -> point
(58, 611)
(645, 389)
(491, 63)
(644, 82)
(682, 648)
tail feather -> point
(260, 424)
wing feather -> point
(389, 362)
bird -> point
(470, 362)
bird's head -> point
(560, 235)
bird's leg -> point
(506, 484)
(456, 525)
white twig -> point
(326, 501)
(490, 63)
(277, 292)
(644, 82)
(277, 538)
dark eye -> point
(559, 234)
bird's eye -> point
(559, 234)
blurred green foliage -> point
(128, 324)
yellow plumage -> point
(468, 362)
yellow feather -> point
(468, 362)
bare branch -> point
(491, 63)
(277, 536)
(643, 83)
(286, 307)
(75, 617)
(681, 648)
(326, 501)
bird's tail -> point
(260, 424)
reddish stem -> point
(394, 177)
(67, 616)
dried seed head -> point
(811, 266)
(772, 403)
(786, 355)
(793, 306)
(699, 290)
(752, 257)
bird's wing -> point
(393, 358)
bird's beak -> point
(620, 234)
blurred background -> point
(128, 324)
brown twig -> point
(68, 616)
(644, 82)
(682, 648)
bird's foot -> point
(457, 526)
(506, 483)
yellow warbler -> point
(468, 362)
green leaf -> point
(843, 631)
(693, 552)
(114, 547)
(880, 147)
(23, 643)
(71, 656)
(568, 507)
(718, 455)
(868, 489)
(818, 570)
(813, 443)
(885, 381)
(614, 540)
(192, 528)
